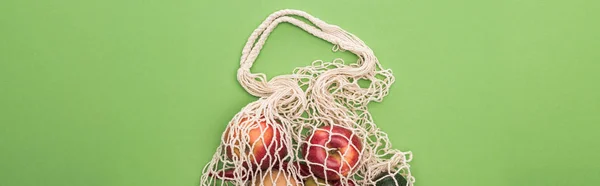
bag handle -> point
(257, 84)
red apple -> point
(301, 167)
(228, 174)
(260, 139)
(332, 152)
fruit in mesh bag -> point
(276, 178)
(332, 152)
(256, 141)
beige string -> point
(294, 106)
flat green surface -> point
(126, 92)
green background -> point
(133, 92)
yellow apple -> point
(276, 178)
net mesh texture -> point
(310, 127)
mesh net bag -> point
(310, 127)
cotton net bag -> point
(311, 127)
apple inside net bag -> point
(311, 127)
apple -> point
(261, 141)
(276, 178)
(332, 152)
(228, 174)
(313, 182)
(302, 168)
